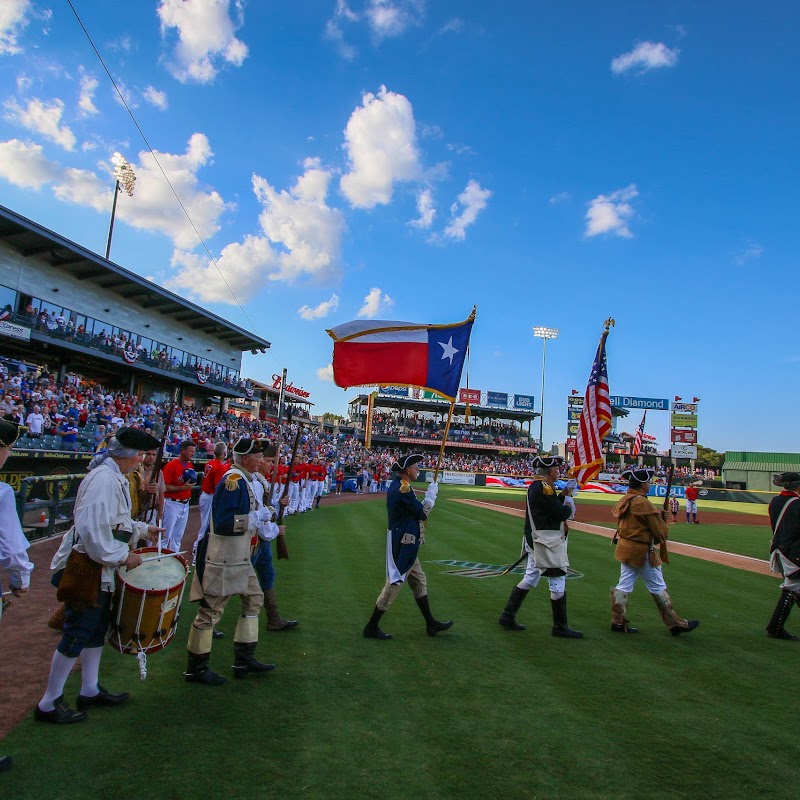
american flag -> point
(637, 444)
(595, 421)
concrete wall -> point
(32, 276)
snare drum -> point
(147, 601)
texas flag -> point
(369, 352)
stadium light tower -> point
(540, 332)
(125, 178)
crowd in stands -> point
(77, 414)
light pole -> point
(540, 332)
(124, 179)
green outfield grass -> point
(745, 540)
(475, 712)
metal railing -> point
(58, 506)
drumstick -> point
(163, 555)
(4, 594)
(159, 543)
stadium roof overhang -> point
(443, 406)
(30, 239)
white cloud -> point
(559, 198)
(752, 251)
(89, 85)
(426, 209)
(153, 206)
(241, 264)
(326, 373)
(334, 32)
(206, 37)
(375, 303)
(472, 201)
(611, 213)
(156, 98)
(644, 57)
(321, 311)
(380, 139)
(302, 236)
(13, 18)
(454, 25)
(127, 95)
(124, 44)
(389, 18)
(302, 224)
(42, 118)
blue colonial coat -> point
(403, 537)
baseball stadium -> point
(477, 706)
(301, 497)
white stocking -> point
(59, 672)
(90, 671)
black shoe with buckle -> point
(103, 698)
(215, 634)
(5, 763)
(623, 628)
(62, 714)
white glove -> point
(571, 484)
(267, 531)
(568, 501)
(432, 492)
(258, 517)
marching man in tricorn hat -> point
(545, 542)
(642, 547)
(224, 568)
(407, 516)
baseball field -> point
(475, 712)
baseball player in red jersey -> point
(214, 471)
(691, 502)
(179, 477)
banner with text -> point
(523, 401)
(472, 396)
(654, 403)
(393, 391)
(497, 399)
(684, 420)
(685, 437)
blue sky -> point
(553, 163)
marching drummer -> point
(99, 542)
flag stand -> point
(444, 440)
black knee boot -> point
(372, 631)
(245, 660)
(433, 626)
(560, 627)
(198, 671)
(508, 619)
(775, 628)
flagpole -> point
(444, 440)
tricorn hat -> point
(640, 474)
(136, 439)
(9, 432)
(546, 462)
(246, 445)
(787, 480)
(404, 462)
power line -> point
(169, 183)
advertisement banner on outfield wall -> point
(453, 478)
(497, 399)
(472, 396)
(523, 401)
